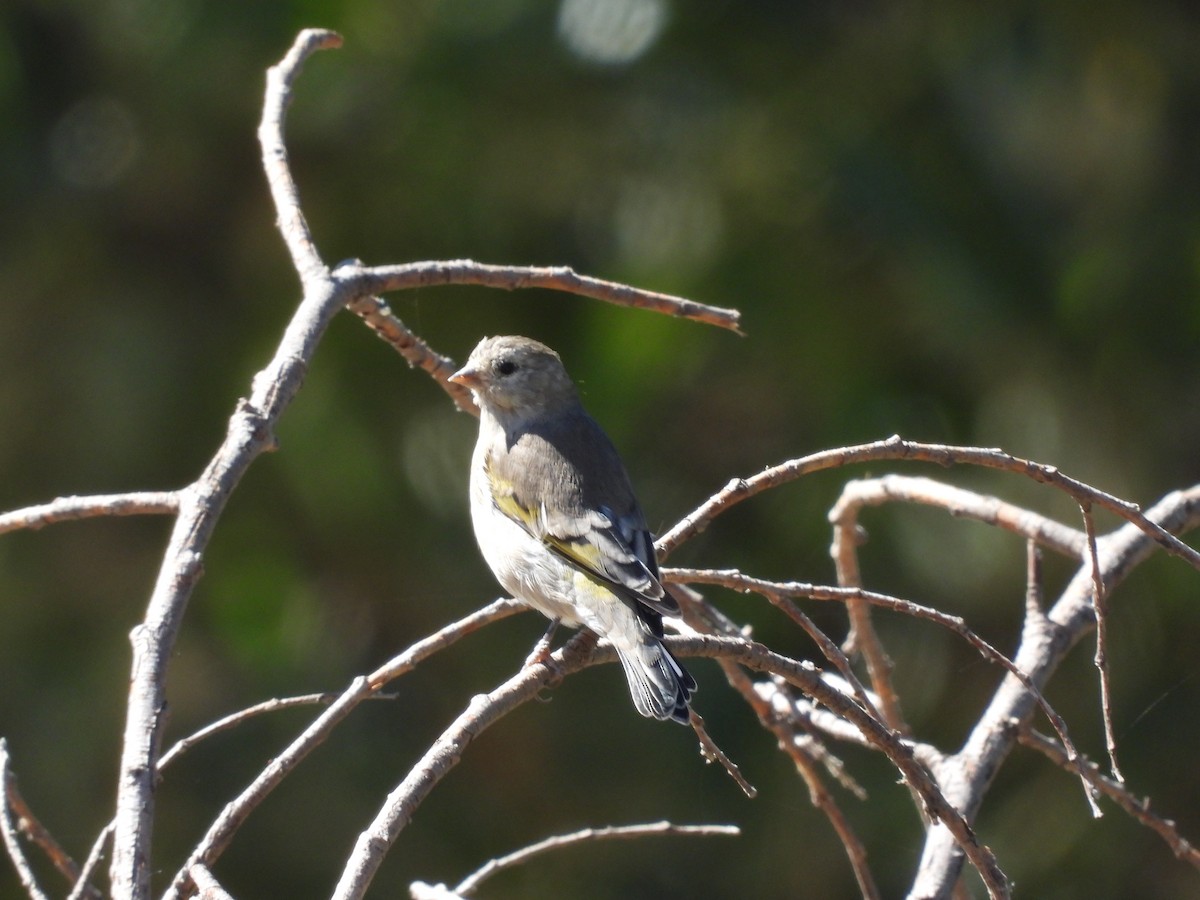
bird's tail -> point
(660, 686)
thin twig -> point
(379, 279)
(33, 829)
(1034, 588)
(68, 509)
(713, 753)
(471, 883)
(800, 746)
(225, 723)
(378, 316)
(8, 828)
(1100, 605)
(1116, 791)
(790, 743)
(829, 648)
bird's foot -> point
(540, 655)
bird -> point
(557, 521)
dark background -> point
(958, 222)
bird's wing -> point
(594, 522)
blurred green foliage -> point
(957, 222)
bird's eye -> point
(506, 367)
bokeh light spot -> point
(610, 32)
(94, 143)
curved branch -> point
(222, 831)
(895, 447)
(471, 883)
(284, 191)
(960, 503)
(848, 535)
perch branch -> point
(485, 710)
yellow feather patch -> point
(581, 553)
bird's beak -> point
(467, 376)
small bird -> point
(557, 521)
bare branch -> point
(848, 535)
(249, 434)
(69, 509)
(962, 504)
(1100, 608)
(444, 754)
(405, 662)
(862, 637)
(471, 883)
(284, 191)
(8, 829)
(221, 832)
(807, 679)
(1044, 645)
(895, 447)
(380, 279)
(777, 593)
